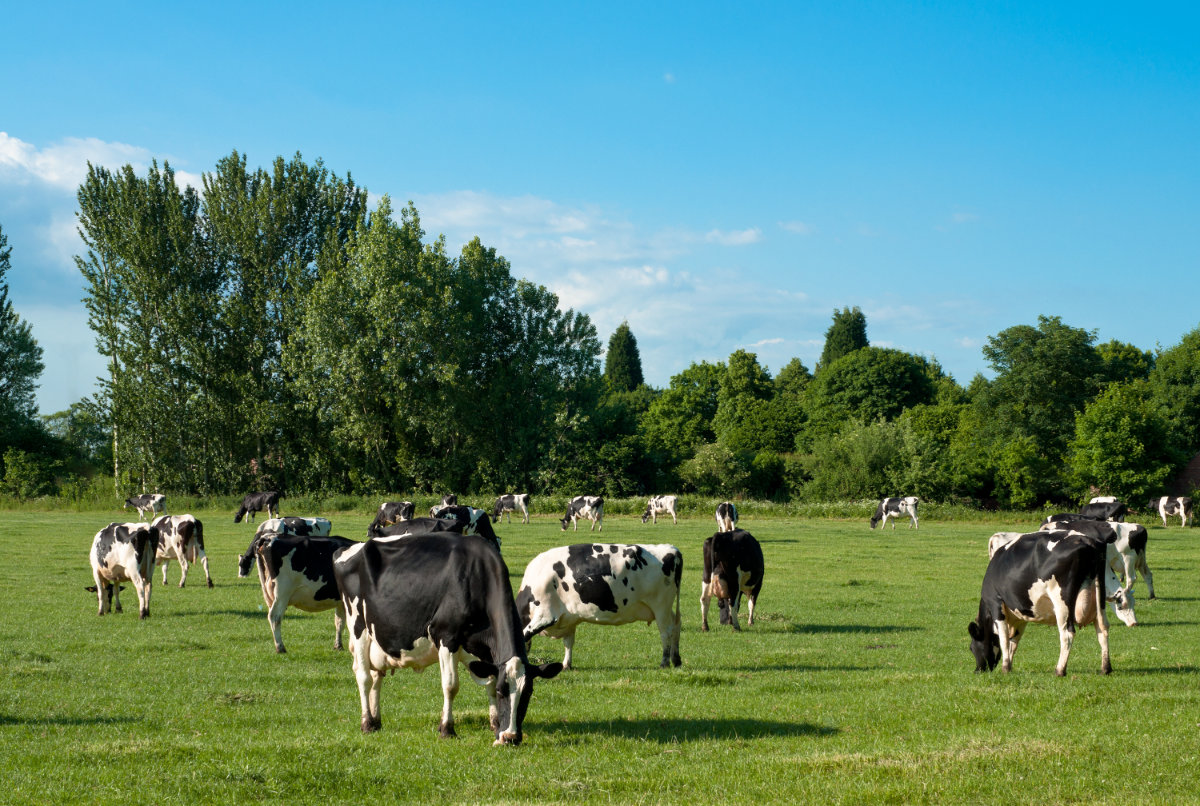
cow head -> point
(646, 514)
(514, 688)
(985, 645)
(1122, 600)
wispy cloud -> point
(741, 237)
(63, 165)
(797, 227)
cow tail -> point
(197, 543)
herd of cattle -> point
(431, 589)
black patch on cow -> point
(592, 575)
(668, 564)
(311, 557)
(625, 581)
(635, 558)
(561, 570)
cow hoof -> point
(1106, 669)
(447, 732)
(1060, 672)
(1152, 596)
(210, 583)
(512, 739)
(181, 584)
(370, 725)
(676, 661)
(280, 650)
(703, 628)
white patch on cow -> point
(352, 551)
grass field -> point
(855, 686)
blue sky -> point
(720, 175)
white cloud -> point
(735, 237)
(797, 227)
(64, 164)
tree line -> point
(272, 330)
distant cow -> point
(602, 584)
(418, 600)
(1105, 511)
(123, 551)
(296, 572)
(1103, 499)
(894, 508)
(584, 506)
(513, 502)
(151, 502)
(1172, 505)
(1064, 517)
(297, 527)
(733, 565)
(258, 502)
(727, 516)
(447, 501)
(391, 512)
(474, 521)
(419, 526)
(180, 538)
(660, 505)
(1042, 577)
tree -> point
(847, 334)
(1175, 385)
(1122, 445)
(869, 384)
(623, 363)
(681, 419)
(20, 359)
(743, 399)
(1122, 362)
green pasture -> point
(856, 685)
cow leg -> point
(1102, 628)
(1145, 569)
(705, 597)
(143, 593)
(115, 598)
(183, 568)
(275, 615)
(204, 562)
(1008, 646)
(735, 604)
(369, 682)
(568, 646)
(449, 665)
(103, 593)
(1066, 633)
(751, 600)
(668, 631)
(339, 624)
(166, 562)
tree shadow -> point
(1155, 670)
(74, 721)
(226, 612)
(670, 731)
(866, 629)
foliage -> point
(1122, 362)
(20, 360)
(743, 399)
(1175, 384)
(715, 470)
(864, 460)
(25, 475)
(622, 362)
(868, 384)
(847, 334)
(681, 418)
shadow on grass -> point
(1153, 624)
(74, 721)
(1156, 670)
(242, 613)
(821, 629)
(670, 731)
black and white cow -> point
(894, 508)
(296, 572)
(180, 538)
(1126, 554)
(733, 565)
(1043, 577)
(584, 506)
(513, 502)
(1063, 517)
(482, 528)
(258, 502)
(391, 512)
(447, 501)
(1105, 511)
(660, 505)
(727, 516)
(1103, 499)
(474, 522)
(602, 584)
(151, 502)
(297, 527)
(414, 601)
(123, 551)
(1172, 505)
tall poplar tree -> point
(623, 363)
(847, 334)
(20, 360)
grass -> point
(856, 685)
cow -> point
(296, 572)
(660, 505)
(181, 538)
(474, 521)
(1105, 511)
(1063, 517)
(1126, 554)
(584, 506)
(1042, 577)
(258, 502)
(297, 527)
(391, 512)
(414, 601)
(447, 501)
(602, 584)
(123, 551)
(1103, 499)
(1172, 505)
(733, 565)
(151, 502)
(513, 502)
(894, 508)
(425, 526)
(727, 516)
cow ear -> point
(973, 629)
(482, 669)
(546, 670)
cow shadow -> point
(1156, 670)
(672, 731)
(256, 614)
(73, 721)
(863, 629)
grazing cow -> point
(733, 565)
(296, 572)
(894, 508)
(660, 505)
(122, 551)
(1043, 577)
(1172, 505)
(1104, 511)
(1126, 554)
(426, 526)
(474, 522)
(418, 600)
(391, 512)
(1103, 499)
(258, 502)
(297, 527)
(584, 506)
(727, 516)
(181, 538)
(1063, 517)
(513, 502)
(151, 502)
(447, 501)
(602, 584)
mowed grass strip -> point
(855, 685)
